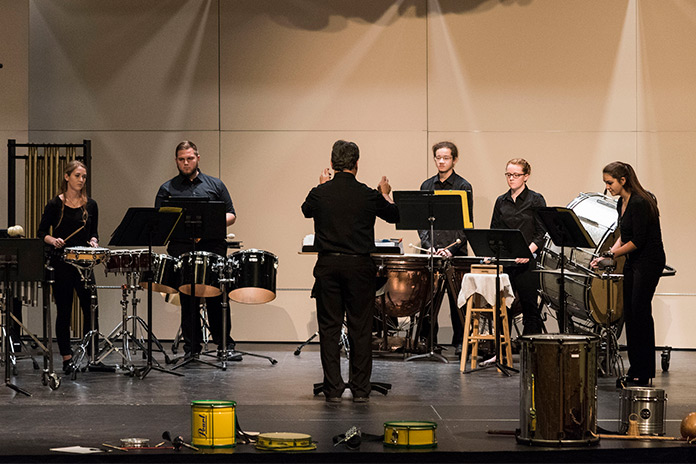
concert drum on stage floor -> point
(558, 390)
(403, 283)
(253, 275)
(589, 298)
(213, 424)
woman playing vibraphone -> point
(69, 220)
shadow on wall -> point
(333, 15)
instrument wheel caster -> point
(666, 355)
(53, 381)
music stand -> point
(203, 219)
(152, 226)
(422, 209)
(565, 229)
(21, 260)
(505, 245)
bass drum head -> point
(590, 298)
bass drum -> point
(590, 298)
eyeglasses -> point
(443, 158)
(513, 175)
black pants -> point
(67, 279)
(191, 327)
(345, 287)
(525, 284)
(640, 282)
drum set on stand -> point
(246, 276)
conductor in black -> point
(344, 212)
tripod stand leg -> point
(298, 350)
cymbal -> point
(565, 273)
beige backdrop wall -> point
(265, 87)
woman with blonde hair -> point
(69, 220)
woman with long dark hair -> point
(640, 239)
(69, 220)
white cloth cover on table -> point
(484, 285)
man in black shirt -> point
(191, 182)
(445, 155)
(344, 212)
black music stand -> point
(21, 260)
(203, 219)
(502, 244)
(422, 209)
(565, 230)
(154, 227)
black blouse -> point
(639, 225)
(60, 220)
(520, 214)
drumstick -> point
(418, 248)
(456, 242)
(69, 236)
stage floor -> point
(99, 408)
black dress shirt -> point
(203, 186)
(445, 237)
(639, 225)
(520, 214)
(344, 212)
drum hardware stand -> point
(154, 227)
(612, 356)
(91, 338)
(233, 354)
(343, 341)
(126, 336)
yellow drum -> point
(212, 424)
(410, 434)
(285, 441)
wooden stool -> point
(475, 307)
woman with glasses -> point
(640, 240)
(515, 209)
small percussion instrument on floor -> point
(285, 441)
(647, 406)
(213, 424)
(253, 275)
(410, 434)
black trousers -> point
(525, 284)
(345, 287)
(66, 280)
(191, 327)
(640, 282)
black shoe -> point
(458, 350)
(361, 399)
(333, 399)
(625, 381)
(68, 366)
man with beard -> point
(191, 182)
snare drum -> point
(558, 390)
(165, 278)
(589, 298)
(403, 283)
(410, 434)
(253, 275)
(119, 261)
(203, 270)
(85, 256)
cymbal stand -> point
(433, 314)
(91, 338)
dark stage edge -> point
(101, 408)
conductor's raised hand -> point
(325, 176)
(383, 187)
